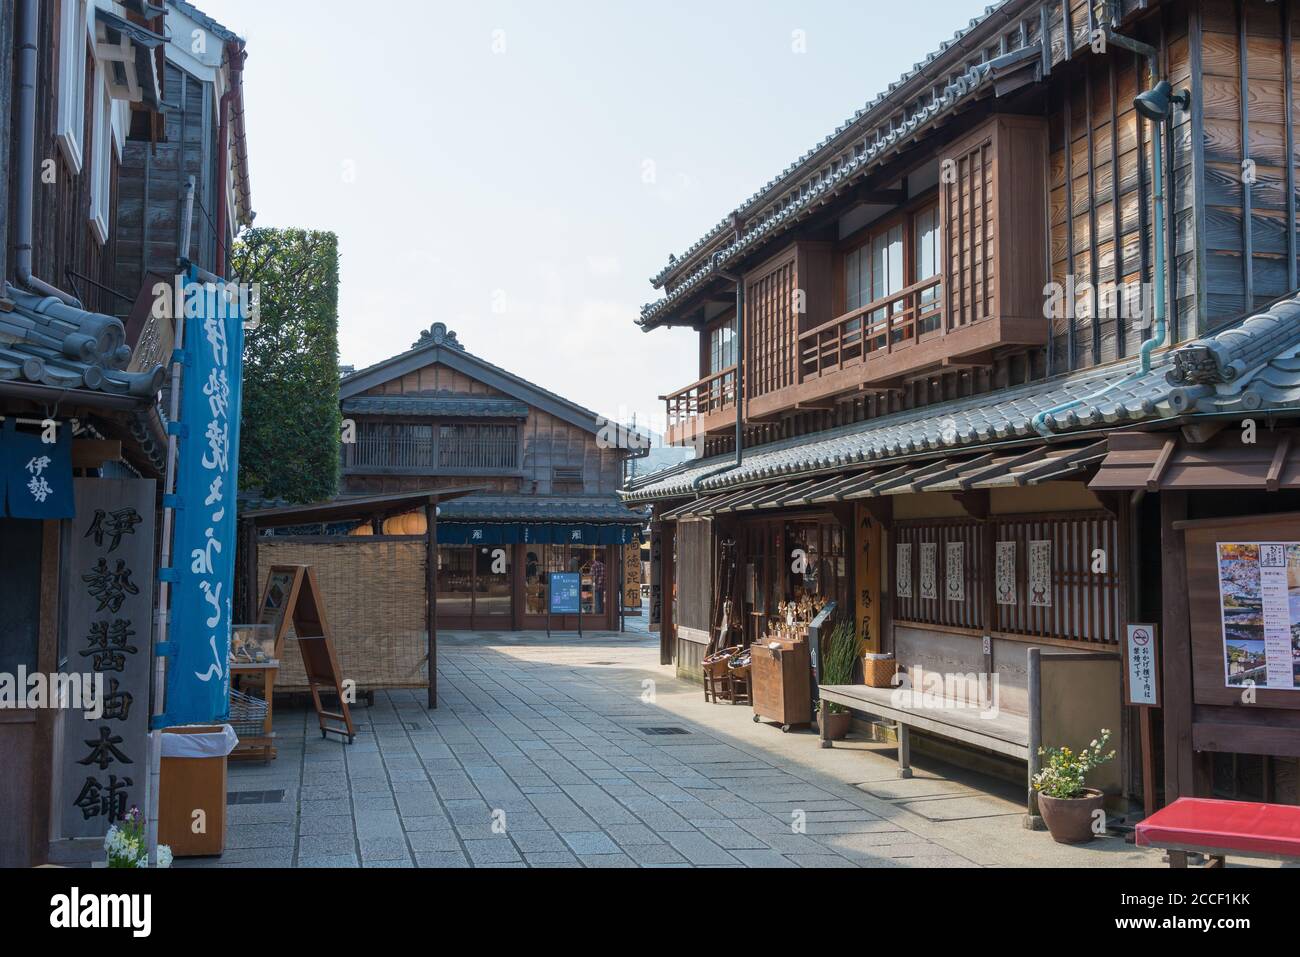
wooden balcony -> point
(885, 342)
(708, 405)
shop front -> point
(1225, 558)
(496, 576)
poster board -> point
(1210, 638)
(1258, 584)
(566, 591)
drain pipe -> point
(740, 353)
(1044, 422)
(25, 173)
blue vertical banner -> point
(207, 475)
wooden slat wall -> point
(942, 611)
(1250, 251)
(1085, 604)
(771, 328)
(63, 239)
(969, 233)
(153, 179)
(695, 573)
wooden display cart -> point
(263, 673)
(781, 683)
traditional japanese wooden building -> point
(97, 154)
(963, 362)
(440, 416)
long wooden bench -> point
(1218, 828)
(1017, 726)
(1006, 733)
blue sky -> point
(519, 170)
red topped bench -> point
(1218, 828)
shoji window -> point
(70, 123)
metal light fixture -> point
(1157, 103)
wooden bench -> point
(1218, 828)
(1006, 733)
(1064, 698)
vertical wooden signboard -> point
(867, 568)
(108, 617)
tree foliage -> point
(289, 443)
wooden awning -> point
(1042, 463)
(1156, 461)
(353, 508)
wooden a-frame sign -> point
(292, 596)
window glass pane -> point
(455, 580)
(492, 580)
(853, 280)
(879, 266)
(895, 281)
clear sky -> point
(519, 170)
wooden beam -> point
(93, 453)
(1280, 454)
(974, 503)
(1161, 463)
(1176, 651)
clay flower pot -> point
(837, 725)
(1070, 819)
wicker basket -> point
(247, 714)
(878, 670)
(716, 664)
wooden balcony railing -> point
(893, 322)
(711, 394)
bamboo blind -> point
(374, 596)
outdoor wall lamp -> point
(1158, 102)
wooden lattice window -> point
(1053, 575)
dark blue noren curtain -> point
(37, 475)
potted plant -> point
(126, 845)
(838, 660)
(1068, 806)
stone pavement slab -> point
(539, 755)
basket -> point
(716, 664)
(878, 670)
(247, 714)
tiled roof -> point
(449, 404)
(847, 175)
(1250, 367)
(859, 123)
(454, 354)
(597, 509)
(47, 342)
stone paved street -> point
(539, 754)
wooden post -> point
(431, 596)
(667, 577)
(1176, 663)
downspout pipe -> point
(1045, 421)
(740, 353)
(25, 174)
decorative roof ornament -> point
(439, 335)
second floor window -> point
(722, 348)
(461, 447)
(465, 447)
(874, 270)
